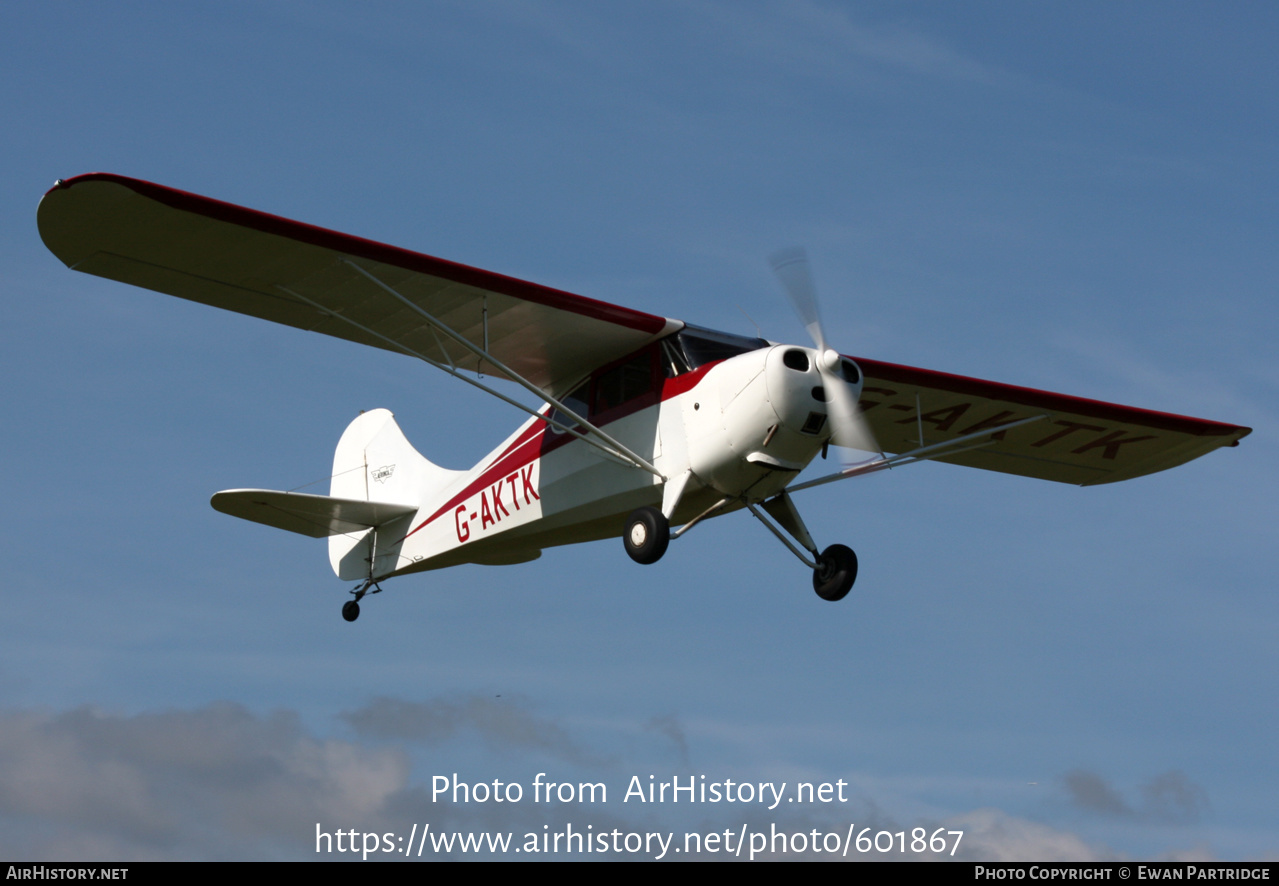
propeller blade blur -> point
(850, 429)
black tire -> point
(835, 573)
(350, 610)
(647, 534)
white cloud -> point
(221, 782)
(216, 782)
(992, 835)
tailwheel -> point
(835, 573)
(647, 534)
(351, 608)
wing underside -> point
(310, 278)
(1070, 439)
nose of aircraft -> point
(798, 391)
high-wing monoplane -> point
(647, 423)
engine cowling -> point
(759, 418)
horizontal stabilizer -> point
(318, 516)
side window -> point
(624, 383)
(575, 401)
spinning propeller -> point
(850, 428)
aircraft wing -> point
(1078, 441)
(247, 261)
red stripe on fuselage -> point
(507, 463)
(520, 452)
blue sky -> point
(1079, 197)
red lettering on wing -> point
(994, 421)
(865, 404)
(1070, 428)
(941, 419)
(1112, 442)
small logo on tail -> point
(383, 473)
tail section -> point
(379, 483)
(374, 462)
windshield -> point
(694, 346)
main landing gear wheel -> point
(835, 573)
(648, 532)
(350, 610)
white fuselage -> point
(744, 427)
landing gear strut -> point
(835, 573)
(648, 532)
(351, 608)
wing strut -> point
(922, 453)
(485, 355)
(700, 517)
(622, 457)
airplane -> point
(648, 425)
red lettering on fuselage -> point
(526, 476)
(492, 507)
(496, 492)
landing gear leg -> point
(648, 532)
(835, 573)
(834, 569)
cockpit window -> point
(694, 346)
(624, 383)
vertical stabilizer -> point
(375, 462)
